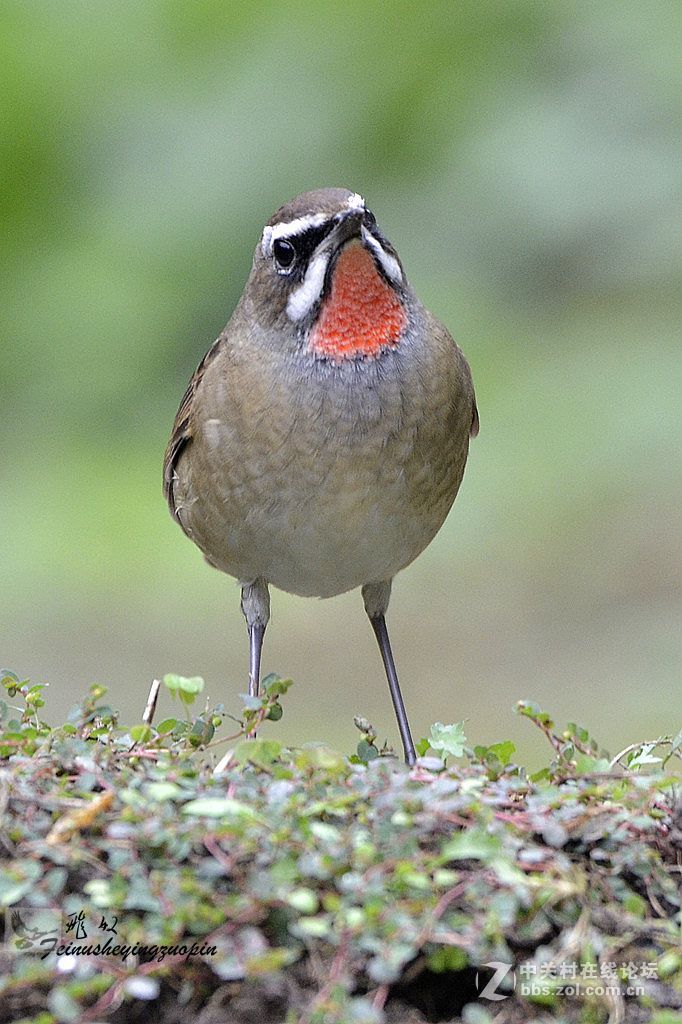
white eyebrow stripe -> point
(356, 202)
(302, 300)
(294, 227)
(388, 262)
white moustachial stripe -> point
(389, 263)
(302, 300)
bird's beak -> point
(348, 226)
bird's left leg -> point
(376, 597)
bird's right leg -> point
(376, 597)
(256, 609)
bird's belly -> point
(323, 522)
(335, 537)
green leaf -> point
(317, 755)
(63, 1006)
(503, 751)
(448, 738)
(201, 732)
(472, 844)
(324, 832)
(167, 725)
(100, 892)
(366, 751)
(584, 763)
(218, 807)
(162, 791)
(186, 696)
(635, 904)
(447, 958)
(141, 733)
(303, 900)
(274, 686)
(259, 752)
(669, 964)
(578, 731)
(530, 709)
(190, 685)
(314, 927)
(250, 702)
(270, 961)
(643, 756)
(16, 882)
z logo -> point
(490, 989)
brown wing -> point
(181, 434)
(475, 422)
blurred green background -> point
(524, 157)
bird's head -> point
(324, 274)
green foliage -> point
(305, 862)
(23, 733)
(366, 749)
(449, 739)
(185, 688)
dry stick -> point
(224, 761)
(151, 702)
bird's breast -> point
(320, 478)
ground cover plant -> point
(303, 885)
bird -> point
(322, 439)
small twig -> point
(635, 746)
(441, 906)
(551, 737)
(338, 965)
(380, 997)
(613, 999)
(214, 848)
(151, 702)
(654, 902)
(135, 751)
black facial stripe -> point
(305, 245)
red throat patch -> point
(362, 315)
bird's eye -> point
(284, 253)
(369, 219)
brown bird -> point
(322, 440)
